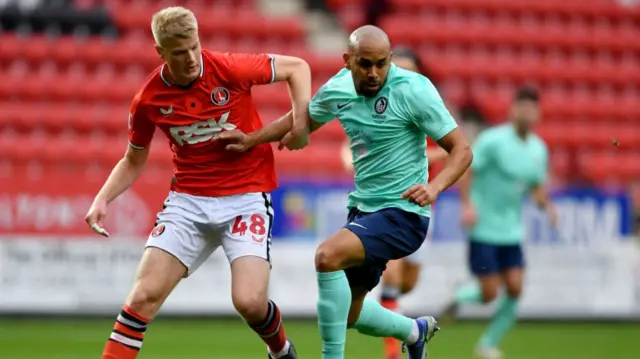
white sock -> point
(414, 335)
(284, 351)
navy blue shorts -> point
(485, 259)
(387, 234)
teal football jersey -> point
(505, 169)
(386, 134)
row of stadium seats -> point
(66, 51)
(462, 64)
(138, 50)
(218, 22)
(100, 121)
(610, 9)
(494, 101)
(320, 160)
(351, 14)
(598, 9)
(402, 29)
(523, 69)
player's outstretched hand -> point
(95, 217)
(296, 139)
(469, 216)
(238, 140)
(421, 194)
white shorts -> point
(191, 228)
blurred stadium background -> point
(69, 68)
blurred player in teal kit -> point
(386, 112)
(509, 163)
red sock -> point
(391, 345)
(127, 335)
(271, 330)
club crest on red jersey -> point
(158, 230)
(219, 96)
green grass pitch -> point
(231, 339)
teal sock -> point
(502, 321)
(334, 300)
(469, 294)
(377, 321)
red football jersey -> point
(219, 100)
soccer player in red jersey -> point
(218, 197)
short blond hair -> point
(173, 22)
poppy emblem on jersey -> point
(381, 105)
(158, 230)
(219, 96)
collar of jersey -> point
(165, 64)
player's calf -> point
(392, 279)
(250, 279)
(158, 274)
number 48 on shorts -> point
(256, 226)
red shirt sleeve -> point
(140, 126)
(252, 69)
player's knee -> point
(489, 293)
(514, 291)
(252, 307)
(326, 259)
(407, 286)
(146, 299)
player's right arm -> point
(126, 171)
(319, 114)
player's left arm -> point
(456, 164)
(540, 189)
(436, 154)
(432, 117)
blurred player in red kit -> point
(217, 198)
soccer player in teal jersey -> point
(509, 163)
(386, 112)
(400, 276)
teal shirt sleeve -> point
(428, 110)
(320, 109)
(483, 150)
